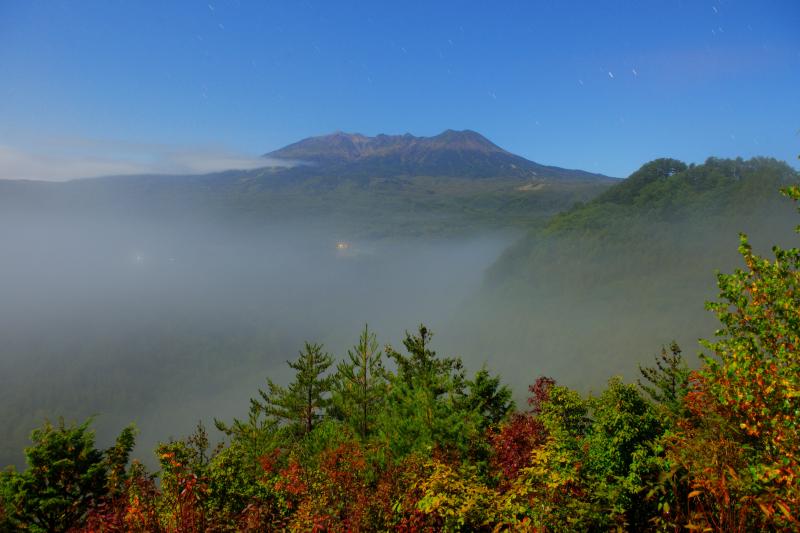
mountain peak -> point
(462, 134)
(464, 153)
(342, 146)
(465, 139)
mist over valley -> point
(167, 300)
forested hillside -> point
(387, 439)
(651, 220)
(630, 267)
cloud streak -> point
(68, 158)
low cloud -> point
(63, 159)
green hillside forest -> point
(405, 439)
(590, 292)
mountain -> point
(457, 181)
(466, 154)
(343, 147)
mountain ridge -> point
(464, 153)
(343, 146)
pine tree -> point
(426, 405)
(668, 381)
(305, 400)
(489, 398)
(361, 384)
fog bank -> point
(167, 324)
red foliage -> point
(188, 496)
(540, 393)
(513, 443)
(269, 462)
(131, 509)
(291, 480)
(333, 495)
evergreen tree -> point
(361, 384)
(304, 401)
(426, 405)
(668, 381)
(254, 436)
(66, 476)
(488, 398)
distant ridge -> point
(453, 153)
(454, 182)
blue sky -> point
(117, 86)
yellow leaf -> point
(785, 511)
